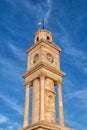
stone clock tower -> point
(43, 73)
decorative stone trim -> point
(26, 83)
(45, 126)
(51, 44)
(58, 82)
(51, 91)
(43, 65)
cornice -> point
(45, 125)
(45, 66)
(51, 44)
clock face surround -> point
(49, 57)
(36, 58)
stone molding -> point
(51, 91)
(43, 65)
(27, 83)
(59, 82)
(51, 44)
(45, 126)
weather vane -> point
(42, 23)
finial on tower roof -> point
(42, 23)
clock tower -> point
(43, 73)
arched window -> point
(37, 39)
(36, 57)
(48, 38)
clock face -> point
(50, 58)
(36, 57)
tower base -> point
(42, 125)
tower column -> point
(36, 100)
(42, 105)
(26, 109)
(60, 104)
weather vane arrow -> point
(42, 23)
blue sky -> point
(67, 20)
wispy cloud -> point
(73, 124)
(7, 67)
(44, 9)
(30, 9)
(67, 40)
(79, 96)
(13, 125)
(17, 52)
(49, 9)
(12, 104)
(69, 85)
(8, 124)
(36, 11)
(3, 119)
(12, 62)
(77, 56)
